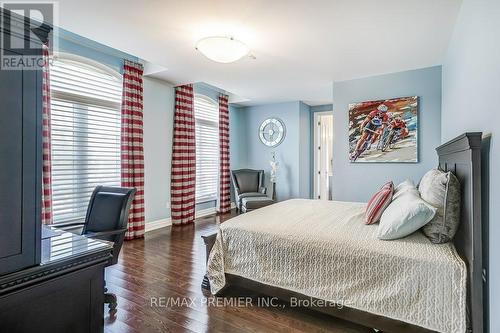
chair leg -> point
(205, 284)
(110, 298)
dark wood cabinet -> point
(20, 158)
(52, 282)
(65, 293)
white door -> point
(323, 160)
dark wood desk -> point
(65, 293)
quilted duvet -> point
(323, 249)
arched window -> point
(206, 113)
(85, 133)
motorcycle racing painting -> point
(384, 131)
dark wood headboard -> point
(462, 156)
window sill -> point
(205, 200)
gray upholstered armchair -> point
(248, 183)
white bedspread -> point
(324, 250)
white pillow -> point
(405, 215)
(403, 187)
(405, 184)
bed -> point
(319, 250)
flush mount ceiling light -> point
(222, 49)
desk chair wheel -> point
(110, 299)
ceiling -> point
(300, 47)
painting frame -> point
(384, 131)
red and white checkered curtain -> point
(224, 202)
(132, 150)
(183, 174)
(46, 146)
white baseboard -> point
(205, 212)
(210, 211)
(163, 223)
(158, 224)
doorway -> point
(323, 151)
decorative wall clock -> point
(272, 132)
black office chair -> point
(106, 219)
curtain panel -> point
(132, 149)
(46, 141)
(224, 202)
(183, 174)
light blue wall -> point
(159, 103)
(357, 182)
(321, 108)
(293, 156)
(237, 137)
(305, 150)
(69, 42)
(471, 88)
(237, 140)
(204, 89)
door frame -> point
(315, 148)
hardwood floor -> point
(168, 266)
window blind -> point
(85, 134)
(206, 112)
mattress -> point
(323, 249)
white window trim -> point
(88, 61)
(213, 197)
(85, 100)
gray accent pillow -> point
(442, 190)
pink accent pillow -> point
(378, 203)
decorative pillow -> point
(442, 190)
(378, 203)
(405, 215)
(407, 185)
